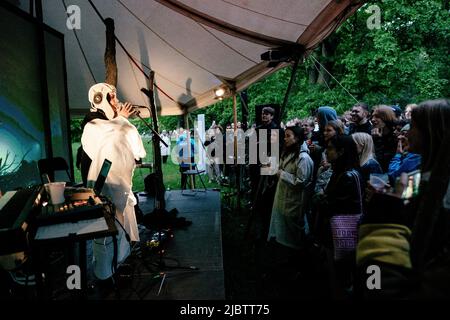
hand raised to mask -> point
(126, 110)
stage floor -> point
(198, 245)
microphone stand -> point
(161, 217)
(156, 134)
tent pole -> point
(188, 135)
(289, 88)
(235, 126)
(236, 166)
(160, 190)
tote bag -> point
(344, 229)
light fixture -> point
(219, 92)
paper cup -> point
(56, 191)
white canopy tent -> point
(193, 46)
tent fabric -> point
(193, 46)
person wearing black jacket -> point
(383, 120)
(263, 186)
(342, 198)
(360, 119)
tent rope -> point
(165, 41)
(137, 83)
(264, 14)
(334, 78)
(225, 44)
(80, 46)
(325, 80)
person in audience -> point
(332, 129)
(287, 224)
(367, 162)
(408, 239)
(397, 111)
(383, 120)
(323, 116)
(311, 136)
(165, 151)
(360, 119)
(408, 109)
(403, 161)
(263, 185)
(342, 198)
(399, 125)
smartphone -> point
(412, 187)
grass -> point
(171, 173)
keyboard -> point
(71, 212)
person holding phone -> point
(404, 160)
(409, 239)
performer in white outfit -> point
(108, 134)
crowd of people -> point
(347, 184)
(371, 187)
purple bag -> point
(345, 234)
(344, 229)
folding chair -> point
(192, 173)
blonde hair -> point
(365, 142)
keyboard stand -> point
(44, 240)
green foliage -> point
(75, 129)
(405, 61)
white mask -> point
(98, 97)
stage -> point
(191, 267)
(197, 249)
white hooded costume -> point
(117, 140)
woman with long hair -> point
(383, 121)
(287, 225)
(367, 162)
(332, 129)
(408, 238)
(341, 206)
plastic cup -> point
(379, 180)
(56, 191)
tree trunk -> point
(110, 53)
(312, 72)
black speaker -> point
(258, 113)
(150, 183)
